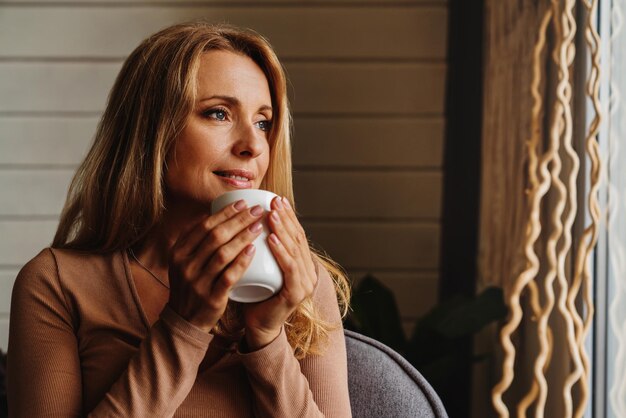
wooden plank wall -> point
(368, 80)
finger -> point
(216, 234)
(290, 219)
(299, 236)
(212, 260)
(284, 232)
(287, 230)
(290, 232)
(294, 218)
(287, 212)
(293, 290)
(221, 287)
(193, 235)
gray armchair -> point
(383, 384)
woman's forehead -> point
(225, 73)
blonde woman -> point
(127, 313)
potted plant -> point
(435, 346)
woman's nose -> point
(250, 140)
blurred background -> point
(419, 128)
(369, 80)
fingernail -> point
(274, 238)
(256, 227)
(257, 210)
(286, 202)
(278, 204)
(275, 217)
(250, 249)
(240, 205)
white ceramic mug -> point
(263, 278)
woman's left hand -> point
(264, 320)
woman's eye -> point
(220, 114)
(265, 125)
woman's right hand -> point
(208, 259)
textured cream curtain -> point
(616, 242)
(534, 241)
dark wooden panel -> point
(354, 195)
(368, 142)
(378, 246)
(340, 32)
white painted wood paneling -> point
(55, 87)
(4, 333)
(368, 142)
(34, 192)
(363, 194)
(7, 277)
(400, 32)
(24, 239)
(45, 140)
(326, 88)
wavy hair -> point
(117, 194)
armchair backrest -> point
(384, 384)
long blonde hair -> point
(116, 196)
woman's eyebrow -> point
(233, 101)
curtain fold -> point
(536, 239)
(616, 242)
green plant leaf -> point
(375, 313)
(441, 331)
(426, 342)
(435, 346)
(471, 316)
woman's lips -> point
(240, 184)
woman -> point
(127, 313)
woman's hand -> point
(208, 259)
(291, 249)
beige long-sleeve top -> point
(81, 344)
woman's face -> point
(227, 132)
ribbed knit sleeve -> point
(161, 374)
(44, 372)
(43, 369)
(316, 386)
